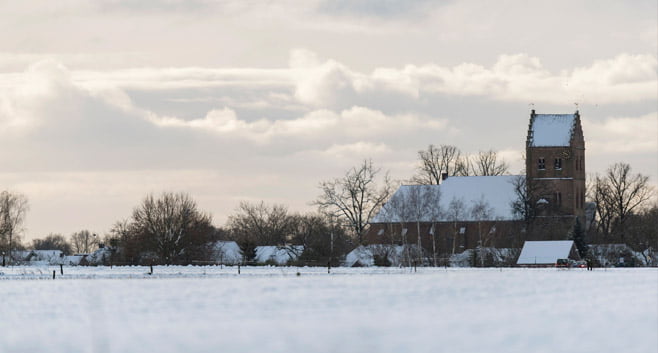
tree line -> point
(169, 228)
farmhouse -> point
(465, 212)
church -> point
(465, 212)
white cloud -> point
(318, 125)
(622, 135)
(521, 78)
(320, 83)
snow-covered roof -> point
(227, 252)
(550, 130)
(280, 255)
(544, 252)
(365, 255)
(418, 202)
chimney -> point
(444, 176)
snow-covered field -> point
(267, 309)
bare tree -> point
(601, 194)
(530, 200)
(642, 234)
(83, 242)
(464, 166)
(434, 162)
(324, 242)
(413, 205)
(13, 208)
(52, 242)
(481, 211)
(173, 226)
(618, 195)
(488, 163)
(456, 212)
(483, 163)
(259, 224)
(264, 224)
(356, 197)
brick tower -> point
(555, 165)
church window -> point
(541, 164)
(558, 163)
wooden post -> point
(150, 273)
(61, 269)
(238, 268)
(414, 266)
(54, 274)
(328, 266)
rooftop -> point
(411, 203)
(551, 130)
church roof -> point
(551, 130)
(411, 203)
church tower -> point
(555, 165)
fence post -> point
(150, 273)
(328, 266)
(54, 274)
(238, 268)
(61, 269)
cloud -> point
(515, 78)
(318, 125)
(521, 78)
(328, 83)
(374, 8)
(100, 127)
(622, 135)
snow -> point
(227, 252)
(496, 191)
(267, 309)
(544, 252)
(550, 130)
(39, 257)
(365, 255)
(278, 255)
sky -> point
(103, 102)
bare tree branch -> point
(356, 197)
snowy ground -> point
(266, 310)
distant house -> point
(40, 257)
(278, 255)
(226, 253)
(546, 253)
(380, 255)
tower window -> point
(541, 164)
(558, 199)
(558, 163)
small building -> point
(278, 255)
(546, 253)
(226, 252)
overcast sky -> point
(102, 102)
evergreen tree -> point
(578, 236)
